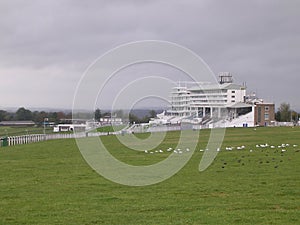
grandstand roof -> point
(226, 86)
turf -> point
(18, 131)
(110, 128)
(50, 183)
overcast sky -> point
(46, 46)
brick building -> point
(264, 114)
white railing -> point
(31, 138)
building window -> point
(232, 100)
(266, 116)
(232, 96)
(232, 92)
(267, 108)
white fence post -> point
(32, 138)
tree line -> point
(130, 117)
(38, 117)
(286, 114)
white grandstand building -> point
(219, 105)
(206, 99)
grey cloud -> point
(256, 40)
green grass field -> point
(110, 128)
(18, 131)
(50, 183)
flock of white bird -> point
(176, 151)
(282, 148)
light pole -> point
(45, 119)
